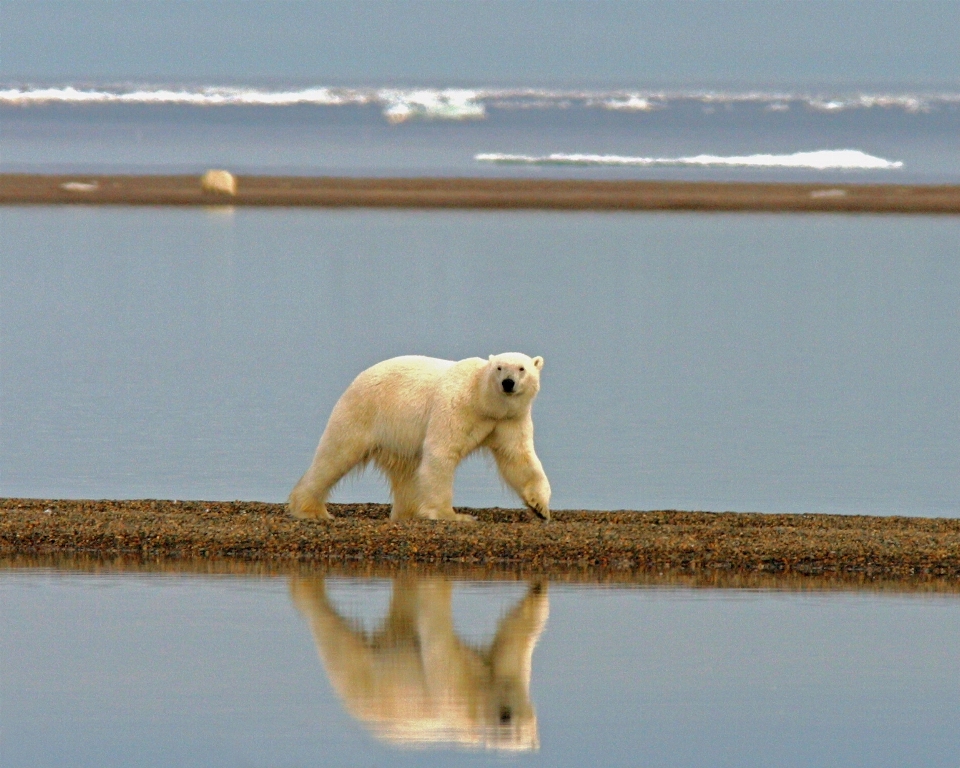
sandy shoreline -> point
(482, 193)
(705, 545)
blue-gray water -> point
(721, 362)
(153, 670)
(499, 41)
(807, 134)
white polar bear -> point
(417, 418)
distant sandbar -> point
(482, 193)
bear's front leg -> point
(512, 447)
(435, 482)
(536, 494)
(531, 485)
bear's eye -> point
(521, 369)
(499, 368)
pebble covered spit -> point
(600, 542)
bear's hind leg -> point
(403, 489)
(306, 505)
(334, 458)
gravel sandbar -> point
(419, 192)
(702, 544)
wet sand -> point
(482, 193)
(708, 547)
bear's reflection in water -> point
(413, 681)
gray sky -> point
(446, 42)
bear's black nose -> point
(508, 385)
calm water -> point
(757, 362)
(859, 136)
(186, 670)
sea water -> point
(905, 135)
(119, 669)
(745, 362)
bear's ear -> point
(538, 363)
(490, 359)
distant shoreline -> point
(482, 193)
(623, 544)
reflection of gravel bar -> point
(482, 193)
(362, 534)
(715, 578)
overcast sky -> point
(445, 42)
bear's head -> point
(515, 375)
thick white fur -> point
(417, 418)
(414, 681)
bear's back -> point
(394, 399)
(404, 376)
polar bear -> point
(219, 182)
(414, 681)
(416, 418)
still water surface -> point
(723, 362)
(899, 137)
(190, 670)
